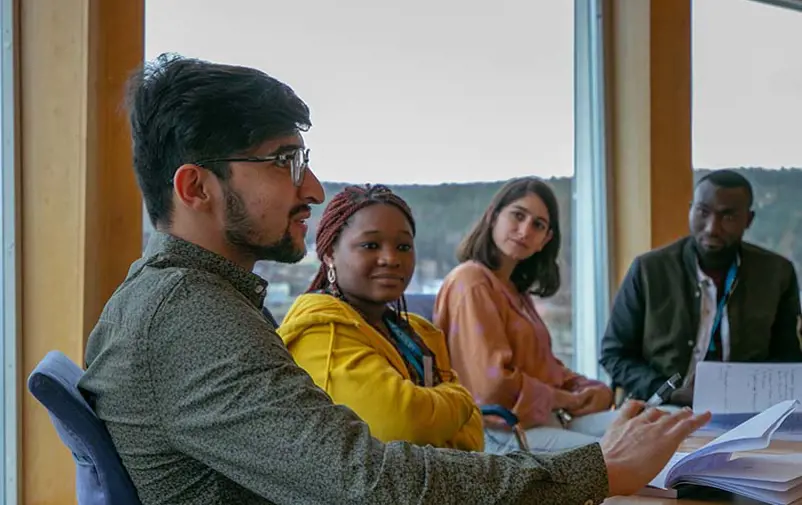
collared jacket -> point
(361, 369)
(655, 318)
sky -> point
(428, 91)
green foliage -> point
(444, 213)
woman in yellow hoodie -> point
(351, 331)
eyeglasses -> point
(297, 161)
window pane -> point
(437, 99)
(9, 379)
(747, 104)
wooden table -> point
(776, 447)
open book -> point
(770, 478)
(734, 392)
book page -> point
(753, 434)
(660, 480)
(736, 388)
(759, 470)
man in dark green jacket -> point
(708, 296)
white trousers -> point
(553, 437)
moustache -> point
(300, 209)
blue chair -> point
(100, 476)
(510, 420)
(423, 305)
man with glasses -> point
(709, 296)
(203, 401)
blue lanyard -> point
(411, 351)
(722, 304)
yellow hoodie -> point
(360, 369)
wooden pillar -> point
(650, 128)
(80, 208)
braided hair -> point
(335, 218)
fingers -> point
(584, 396)
(583, 411)
(629, 410)
(672, 420)
(580, 400)
(653, 414)
(688, 424)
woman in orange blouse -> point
(499, 345)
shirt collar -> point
(165, 250)
(703, 277)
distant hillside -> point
(445, 212)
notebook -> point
(770, 478)
(734, 392)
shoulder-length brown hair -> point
(538, 274)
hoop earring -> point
(331, 275)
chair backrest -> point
(100, 477)
(421, 304)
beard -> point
(239, 229)
(719, 258)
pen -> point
(663, 393)
(564, 417)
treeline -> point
(445, 212)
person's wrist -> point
(613, 477)
(560, 398)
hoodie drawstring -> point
(328, 359)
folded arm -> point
(394, 407)
(471, 436)
(483, 356)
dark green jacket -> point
(655, 317)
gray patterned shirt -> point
(206, 407)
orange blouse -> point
(499, 345)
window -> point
(747, 101)
(8, 302)
(443, 101)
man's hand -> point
(593, 399)
(684, 395)
(638, 444)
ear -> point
(192, 187)
(328, 260)
(750, 218)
